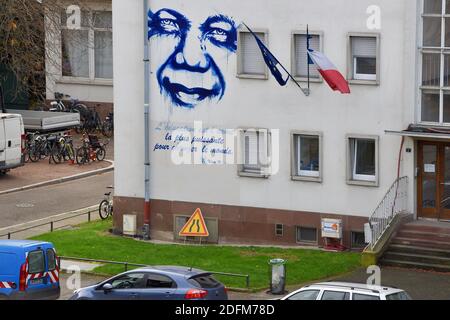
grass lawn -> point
(93, 241)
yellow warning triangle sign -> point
(195, 227)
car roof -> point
(174, 270)
(21, 243)
(356, 286)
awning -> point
(419, 135)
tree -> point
(24, 27)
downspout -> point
(147, 211)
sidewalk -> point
(40, 172)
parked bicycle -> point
(74, 106)
(63, 150)
(90, 150)
(91, 122)
(105, 209)
(108, 125)
(41, 147)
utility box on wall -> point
(129, 225)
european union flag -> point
(270, 60)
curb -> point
(61, 180)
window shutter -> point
(251, 149)
(252, 61)
(364, 47)
(301, 67)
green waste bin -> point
(277, 276)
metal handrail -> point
(128, 264)
(50, 223)
(393, 203)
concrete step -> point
(443, 228)
(418, 250)
(415, 265)
(417, 258)
(444, 245)
(425, 235)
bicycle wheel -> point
(82, 156)
(69, 153)
(103, 209)
(100, 154)
(33, 154)
(56, 155)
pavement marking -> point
(61, 180)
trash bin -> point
(277, 276)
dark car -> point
(156, 283)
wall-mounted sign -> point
(195, 227)
(429, 168)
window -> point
(359, 296)
(300, 56)
(306, 155)
(364, 58)
(51, 259)
(255, 152)
(306, 234)
(250, 60)
(279, 230)
(435, 53)
(159, 281)
(129, 281)
(335, 295)
(87, 51)
(363, 160)
(36, 262)
(358, 240)
(305, 295)
(398, 296)
(204, 281)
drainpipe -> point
(146, 227)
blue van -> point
(28, 270)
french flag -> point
(329, 72)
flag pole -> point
(304, 90)
(307, 52)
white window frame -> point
(259, 170)
(91, 52)
(361, 179)
(304, 175)
(357, 78)
(443, 51)
(294, 56)
(240, 73)
(361, 76)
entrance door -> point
(433, 181)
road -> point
(25, 206)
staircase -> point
(420, 245)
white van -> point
(12, 141)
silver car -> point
(346, 291)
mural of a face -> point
(196, 51)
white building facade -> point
(293, 159)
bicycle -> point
(105, 208)
(63, 150)
(90, 150)
(75, 106)
(108, 125)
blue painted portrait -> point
(194, 54)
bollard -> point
(89, 216)
(9, 235)
(51, 226)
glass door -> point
(427, 180)
(444, 213)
